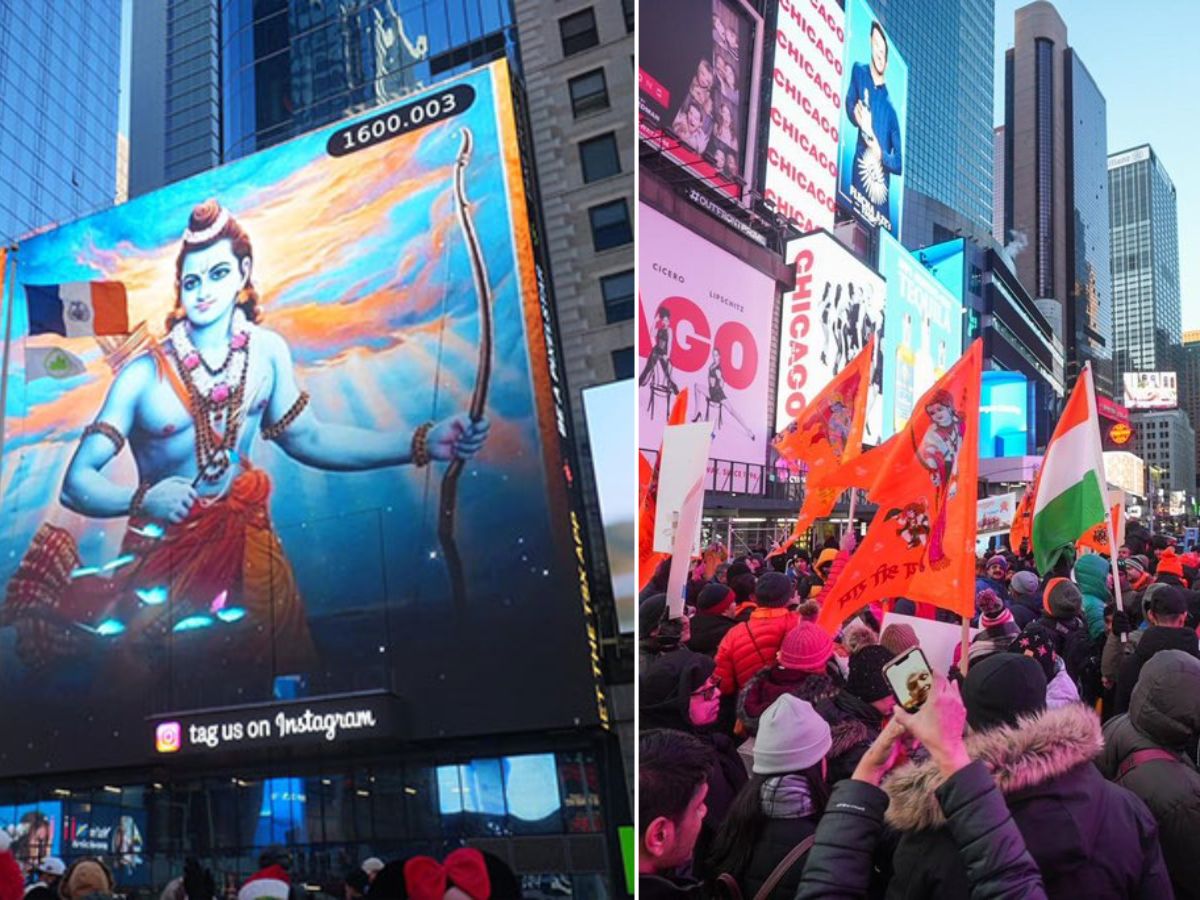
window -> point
(622, 361)
(599, 157)
(618, 296)
(589, 93)
(610, 225)
(627, 6)
(578, 32)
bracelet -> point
(135, 505)
(108, 431)
(420, 445)
(273, 432)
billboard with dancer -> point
(319, 384)
(705, 322)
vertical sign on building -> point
(806, 102)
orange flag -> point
(1097, 538)
(1022, 526)
(921, 544)
(826, 435)
(648, 560)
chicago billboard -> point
(704, 320)
(1151, 390)
(924, 333)
(366, 299)
(871, 142)
(837, 305)
(698, 85)
(806, 103)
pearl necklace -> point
(217, 395)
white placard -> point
(684, 462)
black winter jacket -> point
(988, 843)
(707, 631)
(1153, 639)
(777, 839)
(1088, 837)
(1164, 714)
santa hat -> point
(12, 882)
(270, 883)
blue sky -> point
(1143, 58)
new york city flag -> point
(78, 309)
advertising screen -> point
(995, 513)
(698, 85)
(704, 323)
(1003, 415)
(924, 333)
(35, 830)
(610, 434)
(871, 140)
(279, 476)
(837, 305)
(1151, 390)
(806, 103)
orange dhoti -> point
(222, 566)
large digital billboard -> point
(256, 487)
(1151, 390)
(704, 323)
(1003, 415)
(871, 143)
(837, 305)
(806, 103)
(924, 333)
(698, 84)
(610, 435)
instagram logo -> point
(168, 737)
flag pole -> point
(964, 659)
(850, 517)
(8, 268)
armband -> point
(274, 431)
(118, 439)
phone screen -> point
(910, 678)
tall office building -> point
(59, 79)
(1056, 187)
(1145, 262)
(1189, 385)
(1167, 441)
(949, 49)
(216, 80)
(998, 227)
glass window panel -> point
(599, 157)
(610, 225)
(578, 32)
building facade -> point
(1188, 361)
(1167, 442)
(1145, 262)
(1056, 188)
(949, 49)
(58, 111)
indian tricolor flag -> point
(1071, 494)
(78, 309)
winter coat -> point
(983, 583)
(1061, 690)
(1115, 652)
(1164, 714)
(1153, 639)
(1091, 577)
(662, 887)
(791, 819)
(851, 735)
(1025, 609)
(752, 646)
(1088, 837)
(986, 839)
(707, 632)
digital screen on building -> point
(1003, 415)
(1151, 390)
(698, 85)
(947, 263)
(314, 329)
(837, 305)
(805, 111)
(610, 435)
(924, 332)
(872, 138)
(35, 830)
(704, 323)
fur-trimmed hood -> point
(1043, 747)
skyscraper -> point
(948, 161)
(59, 77)
(1056, 187)
(1145, 262)
(1189, 385)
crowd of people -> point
(464, 874)
(1059, 759)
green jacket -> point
(1091, 576)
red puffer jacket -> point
(752, 646)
